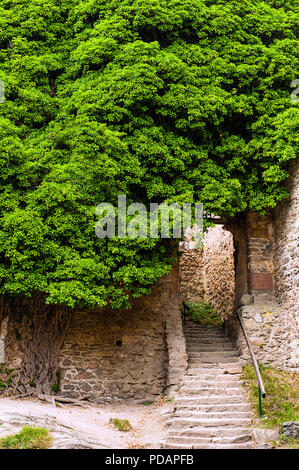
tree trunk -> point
(34, 336)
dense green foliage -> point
(179, 100)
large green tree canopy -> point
(161, 100)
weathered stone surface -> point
(291, 429)
(262, 436)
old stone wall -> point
(103, 355)
(219, 274)
(192, 275)
(207, 275)
(264, 324)
(114, 354)
(137, 354)
(271, 319)
(286, 268)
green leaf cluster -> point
(161, 100)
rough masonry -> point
(135, 354)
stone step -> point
(208, 446)
(212, 354)
(208, 348)
(209, 399)
(187, 413)
(208, 440)
(209, 384)
(204, 373)
(210, 331)
(211, 432)
(212, 422)
(211, 379)
(201, 360)
(202, 341)
(207, 337)
(202, 328)
(212, 391)
(229, 369)
(213, 408)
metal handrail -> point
(262, 392)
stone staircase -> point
(210, 409)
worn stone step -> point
(216, 407)
(232, 372)
(210, 347)
(210, 378)
(210, 384)
(208, 446)
(211, 432)
(200, 364)
(212, 391)
(207, 374)
(209, 399)
(201, 341)
(209, 440)
(220, 360)
(209, 422)
(211, 337)
(199, 331)
(203, 328)
(228, 371)
(187, 413)
(212, 354)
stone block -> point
(265, 435)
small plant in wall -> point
(56, 386)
